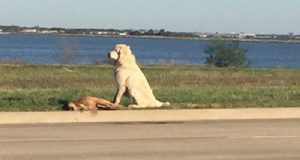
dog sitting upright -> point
(131, 79)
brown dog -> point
(92, 104)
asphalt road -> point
(206, 140)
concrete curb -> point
(149, 115)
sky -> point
(224, 16)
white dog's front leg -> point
(119, 94)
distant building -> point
(246, 35)
(142, 31)
(155, 31)
(49, 31)
(227, 35)
(123, 34)
(297, 37)
(291, 35)
(29, 30)
(203, 35)
(102, 33)
(1, 32)
(266, 36)
(107, 33)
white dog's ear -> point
(118, 49)
(128, 47)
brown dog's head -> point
(121, 54)
(70, 106)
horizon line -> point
(210, 32)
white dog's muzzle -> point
(113, 55)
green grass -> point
(45, 87)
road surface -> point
(205, 140)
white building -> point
(29, 30)
(201, 35)
(49, 31)
(123, 34)
(102, 33)
(247, 35)
(266, 36)
(1, 32)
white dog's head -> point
(121, 54)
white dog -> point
(131, 79)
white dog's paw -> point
(166, 104)
(133, 106)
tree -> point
(150, 32)
(161, 32)
(226, 54)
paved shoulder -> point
(205, 140)
(149, 115)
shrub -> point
(226, 54)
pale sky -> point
(249, 16)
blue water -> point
(45, 49)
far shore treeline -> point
(158, 33)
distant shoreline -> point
(167, 37)
(212, 39)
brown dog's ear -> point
(65, 107)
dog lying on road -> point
(91, 104)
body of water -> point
(56, 49)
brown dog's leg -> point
(94, 111)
